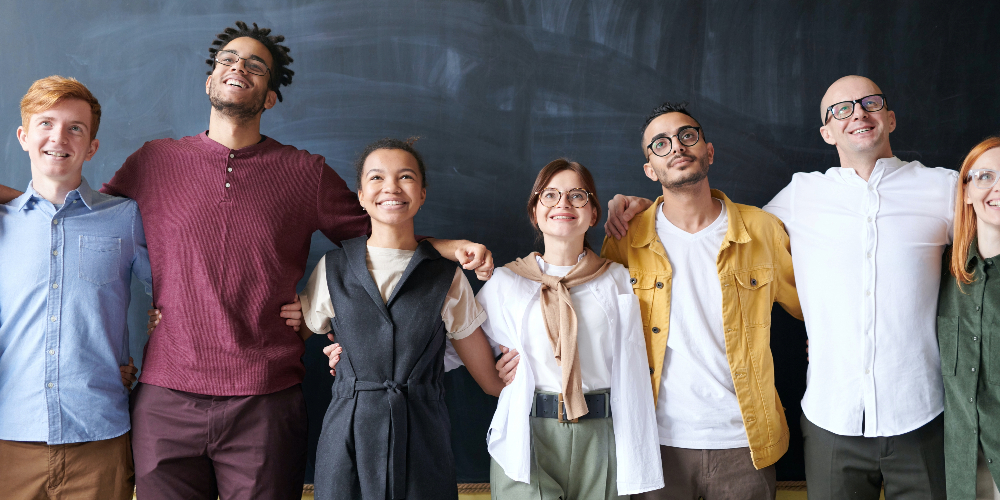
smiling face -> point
(564, 221)
(391, 188)
(234, 91)
(986, 202)
(862, 133)
(58, 141)
(685, 166)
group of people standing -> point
(900, 382)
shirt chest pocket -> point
(99, 259)
(754, 289)
(645, 285)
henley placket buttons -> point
(232, 155)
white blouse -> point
(507, 298)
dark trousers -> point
(711, 475)
(910, 465)
(230, 447)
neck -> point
(561, 251)
(864, 163)
(988, 239)
(231, 133)
(398, 236)
(691, 210)
(54, 190)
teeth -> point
(57, 155)
(859, 131)
(235, 83)
(562, 217)
(391, 203)
(993, 203)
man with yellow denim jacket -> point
(720, 422)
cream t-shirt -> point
(461, 313)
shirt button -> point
(52, 352)
(971, 400)
(973, 369)
(871, 188)
(55, 252)
(977, 308)
(55, 285)
(659, 285)
(656, 330)
(227, 184)
(650, 370)
(232, 155)
(632, 280)
(868, 293)
(867, 372)
(975, 339)
(989, 460)
(53, 319)
(869, 219)
(51, 385)
(869, 255)
(230, 169)
(55, 221)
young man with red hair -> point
(68, 255)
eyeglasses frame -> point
(829, 109)
(561, 194)
(671, 150)
(969, 177)
(241, 58)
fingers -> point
(333, 351)
(507, 365)
(154, 319)
(616, 226)
(471, 255)
(330, 336)
(292, 313)
(631, 210)
(485, 271)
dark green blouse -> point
(969, 338)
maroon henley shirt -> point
(228, 233)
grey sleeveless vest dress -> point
(386, 434)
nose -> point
(859, 112)
(391, 185)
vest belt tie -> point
(397, 393)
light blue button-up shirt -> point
(65, 274)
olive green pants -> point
(568, 462)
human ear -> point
(94, 144)
(827, 136)
(22, 137)
(711, 152)
(271, 100)
(208, 83)
(891, 122)
(648, 169)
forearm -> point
(7, 193)
(477, 356)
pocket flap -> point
(642, 280)
(755, 278)
(100, 243)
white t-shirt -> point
(697, 406)
(461, 313)
(593, 339)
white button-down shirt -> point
(867, 259)
(508, 300)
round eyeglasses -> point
(844, 110)
(982, 178)
(253, 66)
(687, 136)
(577, 197)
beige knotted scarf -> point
(560, 319)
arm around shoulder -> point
(7, 194)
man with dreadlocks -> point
(229, 215)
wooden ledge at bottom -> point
(466, 488)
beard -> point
(241, 112)
(685, 179)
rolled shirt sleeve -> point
(317, 307)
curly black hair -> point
(662, 109)
(280, 74)
(389, 143)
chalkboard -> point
(496, 89)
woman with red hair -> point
(969, 330)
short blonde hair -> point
(49, 91)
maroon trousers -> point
(230, 447)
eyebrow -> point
(255, 57)
(661, 135)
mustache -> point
(678, 157)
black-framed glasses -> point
(844, 110)
(982, 178)
(253, 66)
(577, 197)
(688, 136)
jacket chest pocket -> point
(645, 285)
(754, 289)
(99, 258)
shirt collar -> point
(883, 166)
(208, 144)
(972, 256)
(645, 223)
(84, 193)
